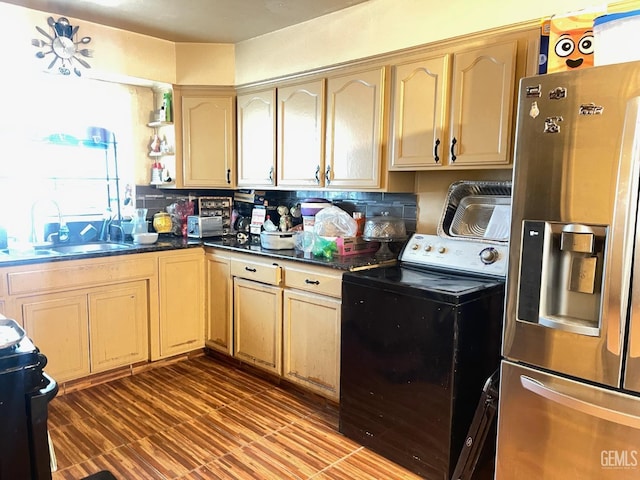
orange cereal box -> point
(571, 43)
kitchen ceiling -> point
(199, 21)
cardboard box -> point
(355, 246)
(571, 44)
(543, 59)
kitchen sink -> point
(90, 248)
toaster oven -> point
(202, 227)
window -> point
(44, 158)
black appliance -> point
(419, 341)
(25, 393)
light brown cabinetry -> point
(420, 101)
(257, 138)
(455, 110)
(285, 319)
(258, 324)
(354, 131)
(311, 335)
(181, 303)
(483, 90)
(59, 326)
(300, 145)
(118, 326)
(89, 331)
(219, 298)
(205, 126)
(86, 316)
(257, 312)
(95, 315)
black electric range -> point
(418, 342)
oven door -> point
(553, 428)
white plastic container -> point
(308, 222)
(616, 38)
(277, 240)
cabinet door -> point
(258, 324)
(59, 326)
(181, 292)
(354, 130)
(482, 105)
(301, 134)
(256, 139)
(118, 321)
(418, 136)
(311, 347)
(219, 300)
(208, 140)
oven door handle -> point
(51, 390)
(572, 401)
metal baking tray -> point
(473, 217)
(468, 210)
(10, 333)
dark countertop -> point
(27, 257)
(346, 262)
(171, 242)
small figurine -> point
(155, 144)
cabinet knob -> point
(317, 175)
(327, 174)
(312, 282)
(435, 150)
(271, 174)
(228, 175)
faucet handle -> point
(63, 232)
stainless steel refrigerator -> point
(569, 405)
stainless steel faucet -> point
(63, 229)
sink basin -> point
(90, 248)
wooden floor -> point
(202, 419)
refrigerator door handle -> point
(585, 406)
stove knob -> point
(415, 246)
(488, 255)
(441, 249)
(427, 248)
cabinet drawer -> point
(259, 272)
(323, 281)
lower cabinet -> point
(280, 316)
(59, 326)
(311, 347)
(258, 324)
(181, 302)
(89, 332)
(219, 295)
(118, 326)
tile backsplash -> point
(403, 205)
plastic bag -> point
(334, 222)
(323, 247)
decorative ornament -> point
(63, 47)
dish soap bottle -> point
(166, 106)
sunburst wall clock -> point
(63, 45)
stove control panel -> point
(457, 255)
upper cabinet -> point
(329, 133)
(482, 96)
(355, 123)
(420, 101)
(300, 146)
(455, 109)
(257, 139)
(205, 138)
